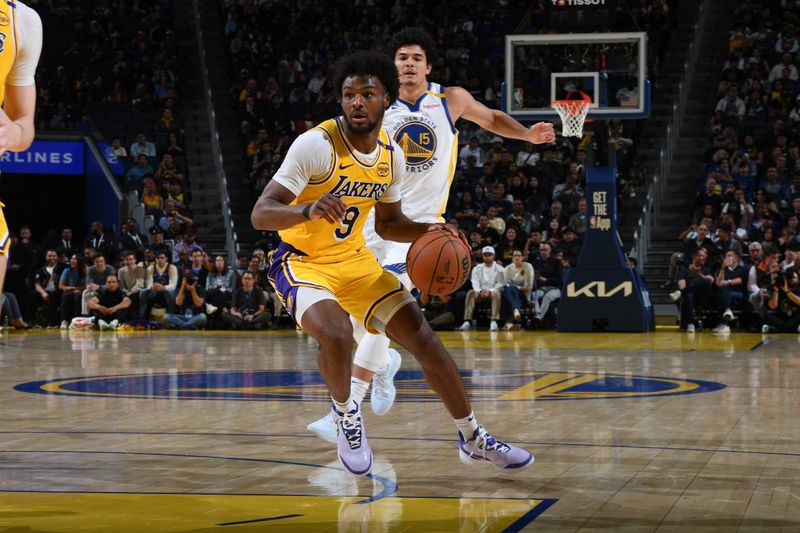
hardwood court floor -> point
(171, 432)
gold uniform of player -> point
(334, 257)
(8, 54)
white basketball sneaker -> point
(352, 446)
(484, 448)
(383, 391)
(324, 428)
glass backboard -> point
(609, 68)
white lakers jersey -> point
(428, 137)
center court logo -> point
(418, 142)
(307, 385)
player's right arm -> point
(308, 157)
(17, 114)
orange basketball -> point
(438, 263)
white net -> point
(573, 115)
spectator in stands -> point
(758, 278)
(694, 282)
(220, 283)
(557, 212)
(131, 278)
(731, 105)
(725, 242)
(135, 176)
(152, 200)
(569, 193)
(549, 275)
(579, 220)
(198, 266)
(519, 282)
(527, 158)
(521, 220)
(489, 236)
(72, 285)
(46, 291)
(160, 286)
(133, 240)
(784, 303)
(9, 307)
(500, 200)
(171, 209)
(110, 305)
(190, 301)
(96, 277)
(531, 250)
(570, 245)
(778, 73)
(552, 231)
(467, 213)
(488, 281)
(509, 243)
(158, 243)
(775, 189)
(537, 201)
(66, 246)
(142, 146)
(248, 306)
(100, 240)
(495, 222)
(117, 149)
(167, 171)
(471, 150)
(731, 285)
(188, 244)
(172, 147)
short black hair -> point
(367, 63)
(414, 35)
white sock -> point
(346, 407)
(467, 425)
(358, 389)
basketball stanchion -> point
(603, 292)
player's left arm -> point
(463, 105)
(17, 115)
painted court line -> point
(260, 520)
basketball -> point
(438, 263)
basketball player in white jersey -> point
(20, 47)
(422, 121)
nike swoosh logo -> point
(342, 167)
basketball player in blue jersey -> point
(318, 201)
(20, 46)
(422, 122)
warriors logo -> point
(418, 142)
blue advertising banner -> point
(45, 157)
(113, 162)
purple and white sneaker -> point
(482, 447)
(352, 446)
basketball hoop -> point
(573, 115)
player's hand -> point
(541, 133)
(452, 230)
(10, 133)
(329, 207)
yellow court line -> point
(173, 513)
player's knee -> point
(338, 336)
